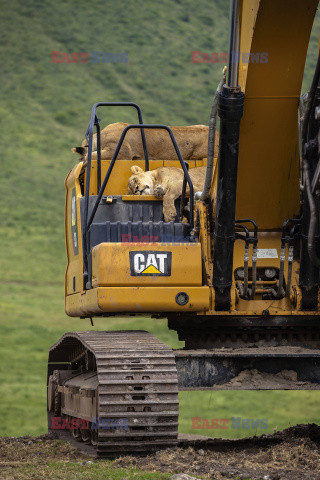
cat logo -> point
(150, 263)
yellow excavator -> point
(238, 280)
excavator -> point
(238, 279)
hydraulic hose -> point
(211, 139)
(313, 214)
(230, 110)
(313, 217)
(290, 262)
(309, 105)
(244, 288)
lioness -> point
(166, 183)
(192, 141)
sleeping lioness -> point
(166, 183)
(192, 142)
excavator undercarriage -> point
(118, 390)
(122, 385)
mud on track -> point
(293, 454)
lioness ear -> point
(79, 150)
(135, 169)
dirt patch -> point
(254, 379)
(15, 451)
(254, 376)
(293, 454)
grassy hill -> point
(44, 111)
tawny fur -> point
(166, 183)
(192, 141)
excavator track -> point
(137, 387)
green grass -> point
(44, 111)
(74, 471)
(281, 409)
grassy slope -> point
(44, 110)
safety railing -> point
(95, 122)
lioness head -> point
(140, 183)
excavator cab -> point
(129, 233)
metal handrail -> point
(114, 158)
(95, 122)
(87, 223)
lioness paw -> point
(159, 191)
(169, 216)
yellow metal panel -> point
(256, 307)
(75, 262)
(201, 163)
(111, 264)
(213, 189)
(248, 13)
(268, 173)
(82, 304)
(176, 163)
(136, 299)
(202, 212)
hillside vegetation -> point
(44, 110)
